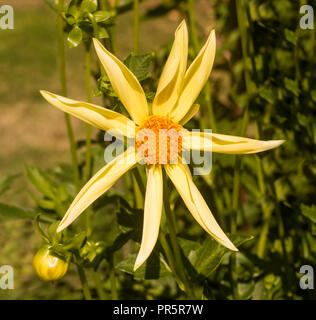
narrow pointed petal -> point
(98, 117)
(195, 78)
(225, 143)
(171, 79)
(124, 84)
(152, 214)
(190, 114)
(182, 179)
(97, 185)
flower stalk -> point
(88, 98)
(174, 243)
(207, 90)
(63, 83)
(84, 283)
(136, 28)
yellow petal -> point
(152, 214)
(182, 179)
(97, 185)
(195, 78)
(99, 117)
(124, 84)
(190, 114)
(226, 144)
(171, 79)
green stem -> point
(135, 174)
(174, 243)
(98, 286)
(88, 133)
(170, 258)
(266, 220)
(233, 225)
(136, 27)
(138, 187)
(88, 98)
(62, 76)
(265, 210)
(236, 187)
(105, 5)
(237, 167)
(241, 18)
(139, 180)
(281, 232)
(113, 280)
(209, 104)
(84, 283)
(192, 24)
(196, 46)
(247, 43)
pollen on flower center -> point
(159, 139)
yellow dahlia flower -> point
(172, 107)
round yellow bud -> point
(47, 266)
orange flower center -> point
(159, 139)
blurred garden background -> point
(263, 80)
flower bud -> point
(47, 266)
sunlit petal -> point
(152, 214)
(97, 185)
(98, 117)
(124, 84)
(221, 143)
(171, 79)
(181, 178)
(195, 78)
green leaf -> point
(74, 37)
(309, 212)
(52, 233)
(187, 245)
(39, 230)
(8, 212)
(245, 290)
(267, 94)
(89, 5)
(92, 253)
(139, 65)
(292, 86)
(290, 36)
(6, 181)
(102, 33)
(75, 242)
(46, 204)
(302, 119)
(41, 181)
(130, 219)
(119, 241)
(150, 95)
(102, 15)
(153, 268)
(74, 12)
(208, 257)
(70, 20)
